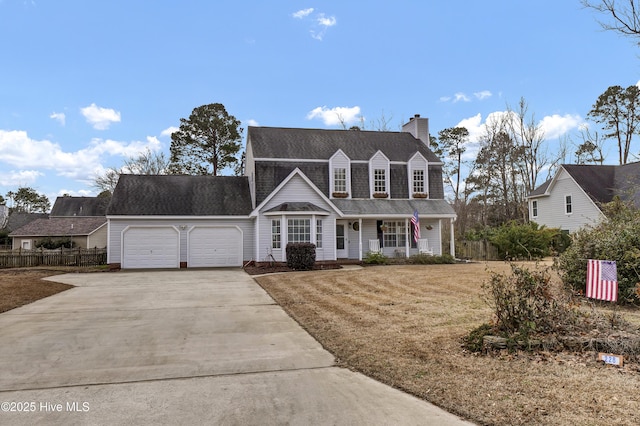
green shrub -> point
(523, 241)
(301, 256)
(51, 244)
(616, 238)
(375, 258)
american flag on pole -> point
(415, 221)
(602, 280)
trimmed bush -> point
(301, 256)
(427, 259)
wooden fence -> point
(476, 250)
(60, 257)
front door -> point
(342, 243)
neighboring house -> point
(79, 206)
(574, 196)
(346, 191)
(80, 219)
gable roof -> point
(60, 227)
(600, 182)
(80, 206)
(321, 144)
(180, 195)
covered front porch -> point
(392, 236)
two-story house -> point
(346, 191)
(574, 196)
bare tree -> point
(146, 163)
(590, 149)
(625, 14)
(529, 138)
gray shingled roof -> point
(296, 207)
(278, 142)
(180, 195)
(597, 181)
(80, 206)
(60, 227)
(602, 182)
(19, 219)
(381, 207)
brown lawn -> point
(403, 326)
(19, 287)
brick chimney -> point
(418, 127)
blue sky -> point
(86, 84)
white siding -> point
(296, 190)
(551, 209)
(116, 226)
(340, 160)
(417, 162)
(250, 172)
(98, 239)
(379, 161)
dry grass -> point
(20, 287)
(403, 325)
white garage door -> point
(150, 247)
(215, 247)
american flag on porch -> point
(415, 221)
(602, 280)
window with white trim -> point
(418, 181)
(299, 231)
(394, 234)
(340, 179)
(568, 205)
(379, 180)
(534, 208)
(275, 234)
(319, 233)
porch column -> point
(452, 243)
(360, 239)
(407, 237)
(283, 238)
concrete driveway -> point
(180, 347)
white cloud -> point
(59, 117)
(557, 125)
(252, 122)
(320, 22)
(100, 118)
(445, 98)
(20, 151)
(484, 94)
(169, 130)
(18, 178)
(325, 21)
(335, 116)
(302, 13)
(460, 97)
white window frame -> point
(276, 234)
(299, 230)
(568, 204)
(379, 181)
(318, 233)
(418, 181)
(340, 182)
(534, 208)
(395, 231)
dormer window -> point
(340, 175)
(379, 176)
(340, 179)
(379, 180)
(418, 181)
(418, 177)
